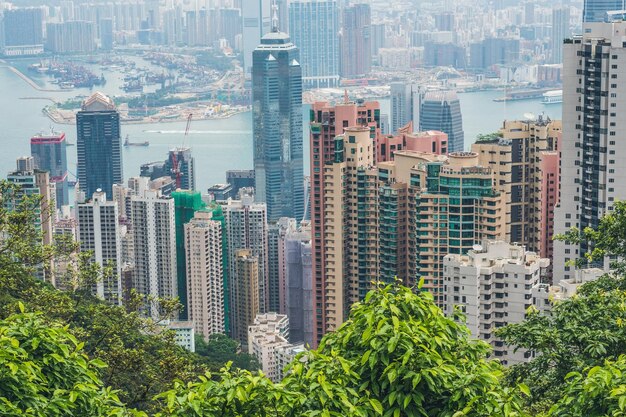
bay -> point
(218, 145)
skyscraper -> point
(314, 28)
(520, 176)
(356, 55)
(99, 232)
(329, 121)
(22, 31)
(592, 155)
(298, 283)
(186, 204)
(205, 273)
(182, 160)
(462, 192)
(99, 145)
(348, 267)
(245, 301)
(277, 113)
(441, 110)
(246, 227)
(154, 234)
(275, 249)
(560, 31)
(405, 105)
(595, 10)
(50, 153)
(256, 17)
(32, 183)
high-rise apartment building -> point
(441, 110)
(356, 55)
(246, 226)
(257, 21)
(314, 28)
(458, 208)
(33, 182)
(186, 204)
(205, 273)
(493, 284)
(327, 122)
(154, 234)
(560, 31)
(516, 158)
(22, 31)
(105, 28)
(70, 37)
(50, 153)
(100, 233)
(405, 105)
(277, 127)
(592, 155)
(298, 283)
(596, 10)
(276, 267)
(99, 145)
(244, 294)
(349, 215)
(181, 163)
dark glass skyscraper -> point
(441, 110)
(277, 113)
(99, 145)
(595, 10)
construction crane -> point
(175, 161)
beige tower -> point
(350, 224)
(244, 294)
(205, 273)
(515, 157)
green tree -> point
(597, 392)
(220, 349)
(397, 355)
(142, 358)
(44, 372)
(581, 332)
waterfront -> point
(217, 145)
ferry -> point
(553, 97)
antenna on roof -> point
(274, 16)
(346, 100)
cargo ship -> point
(127, 142)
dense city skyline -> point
(277, 254)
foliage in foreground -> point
(397, 355)
(45, 372)
(581, 333)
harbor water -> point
(217, 145)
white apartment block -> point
(205, 273)
(100, 232)
(154, 241)
(593, 152)
(544, 295)
(493, 286)
(246, 226)
(268, 341)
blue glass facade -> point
(99, 145)
(442, 111)
(314, 28)
(595, 10)
(277, 125)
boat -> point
(552, 97)
(127, 142)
